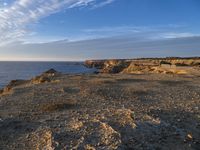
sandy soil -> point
(103, 112)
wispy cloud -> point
(178, 35)
(133, 28)
(115, 29)
(143, 32)
(15, 18)
(103, 3)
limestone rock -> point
(171, 65)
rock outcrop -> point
(45, 77)
(11, 85)
(144, 65)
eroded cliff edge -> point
(172, 65)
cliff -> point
(145, 65)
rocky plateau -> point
(118, 109)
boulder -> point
(45, 77)
(51, 71)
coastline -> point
(168, 65)
(101, 111)
(27, 70)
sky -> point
(73, 30)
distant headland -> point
(168, 65)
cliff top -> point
(104, 111)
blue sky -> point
(98, 29)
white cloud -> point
(132, 28)
(118, 29)
(178, 35)
(5, 4)
(15, 18)
(103, 3)
(143, 32)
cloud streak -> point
(142, 32)
(15, 18)
(103, 3)
(115, 47)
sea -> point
(27, 70)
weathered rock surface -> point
(46, 77)
(102, 112)
(148, 65)
(11, 85)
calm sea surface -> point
(26, 70)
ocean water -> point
(27, 70)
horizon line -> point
(82, 60)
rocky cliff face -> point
(108, 66)
(155, 65)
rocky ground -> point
(102, 111)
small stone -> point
(27, 136)
(51, 71)
(56, 143)
(189, 137)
